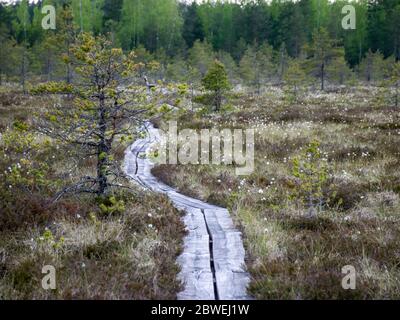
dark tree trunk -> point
(23, 71)
(48, 67)
(323, 76)
(369, 67)
(101, 169)
(68, 66)
(281, 66)
(68, 74)
(218, 100)
(341, 79)
(103, 149)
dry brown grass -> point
(289, 254)
(129, 254)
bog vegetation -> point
(324, 102)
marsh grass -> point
(127, 256)
(291, 255)
(126, 252)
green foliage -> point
(20, 126)
(312, 178)
(201, 112)
(153, 23)
(372, 66)
(8, 54)
(53, 88)
(164, 26)
(338, 71)
(256, 65)
(201, 57)
(230, 65)
(25, 170)
(320, 52)
(88, 15)
(178, 70)
(393, 82)
(210, 29)
(111, 205)
(216, 80)
(98, 110)
(48, 239)
(22, 22)
(207, 100)
(294, 78)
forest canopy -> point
(170, 29)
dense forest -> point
(255, 40)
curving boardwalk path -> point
(212, 262)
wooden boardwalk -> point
(212, 262)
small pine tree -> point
(371, 67)
(320, 52)
(338, 70)
(256, 65)
(99, 110)
(314, 186)
(294, 77)
(8, 57)
(201, 57)
(66, 37)
(394, 81)
(230, 66)
(216, 80)
(282, 61)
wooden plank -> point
(198, 286)
(232, 285)
(200, 267)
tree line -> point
(255, 40)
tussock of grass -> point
(291, 255)
(127, 256)
(129, 253)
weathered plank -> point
(198, 286)
(212, 261)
